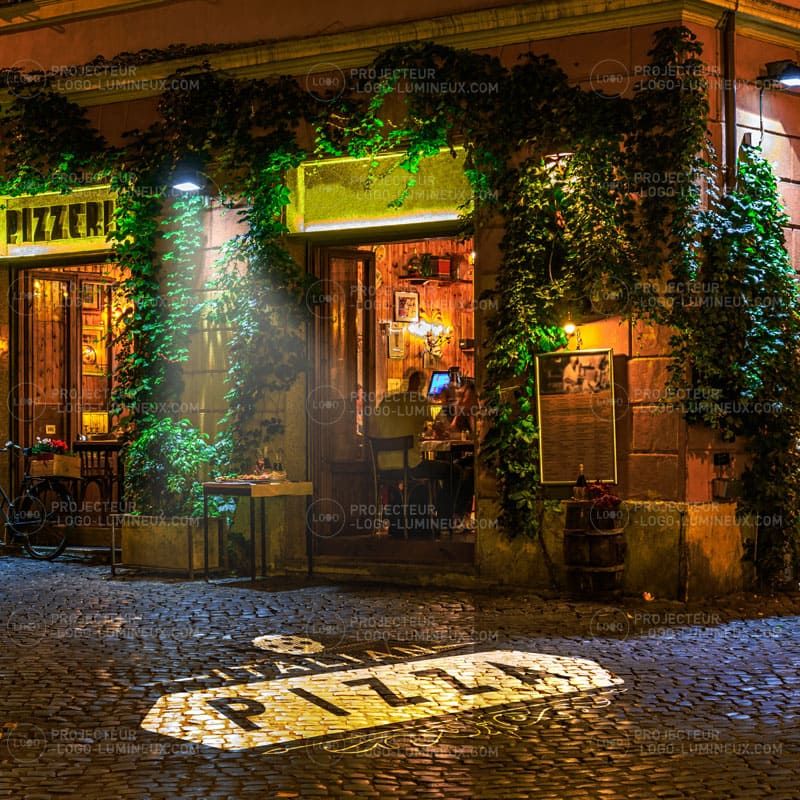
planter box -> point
(155, 544)
(64, 466)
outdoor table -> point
(257, 490)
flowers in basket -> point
(44, 446)
(604, 512)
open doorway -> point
(393, 312)
(64, 359)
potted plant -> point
(164, 529)
(52, 457)
(604, 513)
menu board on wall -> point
(575, 392)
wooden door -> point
(63, 381)
(44, 393)
(343, 383)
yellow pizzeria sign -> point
(56, 223)
(305, 708)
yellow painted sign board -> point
(47, 224)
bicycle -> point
(41, 518)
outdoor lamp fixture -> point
(571, 329)
(188, 177)
(188, 180)
(785, 73)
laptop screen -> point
(438, 383)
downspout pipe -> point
(727, 27)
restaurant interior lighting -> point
(434, 335)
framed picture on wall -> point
(92, 299)
(406, 307)
(397, 342)
(93, 350)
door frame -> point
(20, 357)
(320, 470)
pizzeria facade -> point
(386, 356)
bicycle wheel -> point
(44, 519)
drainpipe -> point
(727, 26)
(683, 559)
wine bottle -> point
(580, 491)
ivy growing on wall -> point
(617, 208)
(736, 348)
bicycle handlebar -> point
(9, 445)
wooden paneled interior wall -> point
(455, 301)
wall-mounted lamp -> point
(188, 177)
(783, 73)
(188, 183)
(436, 335)
(571, 329)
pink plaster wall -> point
(202, 21)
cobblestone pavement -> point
(142, 688)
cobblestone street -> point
(143, 688)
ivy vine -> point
(737, 321)
(619, 207)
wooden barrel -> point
(594, 559)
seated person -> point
(465, 419)
(441, 425)
(405, 414)
(466, 409)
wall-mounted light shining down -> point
(186, 186)
(785, 73)
(188, 176)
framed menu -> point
(577, 415)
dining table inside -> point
(450, 449)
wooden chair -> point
(97, 467)
(403, 476)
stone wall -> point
(673, 550)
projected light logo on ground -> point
(304, 708)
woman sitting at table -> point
(466, 409)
